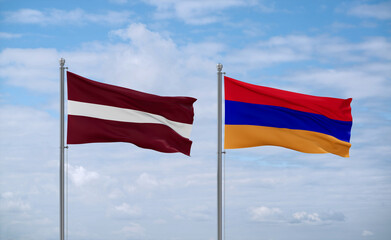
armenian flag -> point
(257, 116)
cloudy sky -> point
(330, 48)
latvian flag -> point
(99, 112)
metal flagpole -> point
(219, 153)
(62, 147)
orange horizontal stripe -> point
(243, 136)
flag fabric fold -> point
(99, 112)
(257, 116)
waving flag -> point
(257, 115)
(99, 112)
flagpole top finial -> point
(62, 61)
(219, 67)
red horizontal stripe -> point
(145, 135)
(333, 108)
(81, 89)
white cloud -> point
(16, 205)
(266, 214)
(361, 69)
(145, 61)
(148, 184)
(375, 47)
(11, 203)
(195, 213)
(145, 40)
(306, 217)
(203, 179)
(145, 180)
(7, 195)
(5, 35)
(276, 215)
(147, 57)
(367, 233)
(145, 184)
(142, 63)
(62, 17)
(125, 211)
(200, 213)
(133, 230)
(298, 48)
(80, 176)
(25, 126)
(342, 26)
(34, 69)
(317, 218)
(380, 11)
(372, 79)
(116, 194)
(198, 12)
(28, 142)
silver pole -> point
(219, 153)
(62, 62)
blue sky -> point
(171, 47)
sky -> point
(171, 47)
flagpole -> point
(219, 153)
(62, 147)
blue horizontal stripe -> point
(239, 113)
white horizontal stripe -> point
(125, 115)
